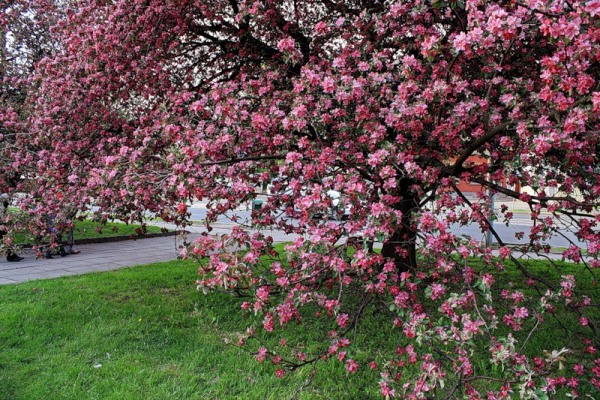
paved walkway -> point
(93, 258)
(104, 256)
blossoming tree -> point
(150, 104)
(24, 40)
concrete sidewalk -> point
(108, 256)
(93, 258)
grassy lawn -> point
(140, 333)
(147, 333)
(88, 229)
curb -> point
(112, 239)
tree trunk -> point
(401, 245)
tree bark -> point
(401, 246)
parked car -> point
(338, 209)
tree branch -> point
(476, 145)
(238, 160)
(536, 199)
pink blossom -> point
(437, 291)
(321, 28)
(593, 7)
(351, 366)
(461, 42)
(286, 312)
(386, 391)
(596, 97)
(280, 373)
(286, 45)
(268, 323)
(263, 293)
(328, 85)
(181, 208)
(262, 354)
(283, 281)
(487, 279)
(339, 62)
(520, 312)
(342, 320)
(402, 299)
(464, 251)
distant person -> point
(59, 224)
(70, 213)
(4, 201)
(68, 248)
(62, 249)
(50, 220)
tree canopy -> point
(147, 105)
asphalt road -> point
(508, 234)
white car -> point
(336, 204)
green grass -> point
(88, 229)
(147, 333)
(139, 333)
